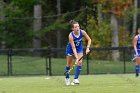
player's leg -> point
(78, 70)
(137, 67)
(68, 65)
(67, 68)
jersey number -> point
(77, 43)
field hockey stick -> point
(132, 60)
(65, 73)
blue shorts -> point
(69, 51)
(138, 53)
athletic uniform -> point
(77, 42)
(69, 52)
(138, 47)
(137, 67)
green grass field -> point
(105, 83)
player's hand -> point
(77, 60)
(137, 54)
(87, 50)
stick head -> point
(65, 73)
(132, 60)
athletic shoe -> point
(67, 81)
(137, 75)
(76, 81)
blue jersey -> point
(77, 42)
(138, 47)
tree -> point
(6, 1)
(17, 27)
(135, 17)
(37, 26)
(58, 31)
(19, 20)
(115, 38)
(2, 27)
(116, 9)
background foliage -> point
(17, 27)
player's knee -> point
(138, 61)
(69, 64)
(79, 63)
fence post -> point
(87, 64)
(9, 62)
(48, 62)
(8, 70)
(124, 59)
(50, 68)
(47, 68)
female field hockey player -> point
(74, 49)
(136, 44)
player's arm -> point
(135, 44)
(88, 41)
(73, 46)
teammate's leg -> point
(137, 67)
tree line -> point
(45, 23)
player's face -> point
(139, 31)
(76, 27)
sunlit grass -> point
(106, 83)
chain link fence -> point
(52, 61)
